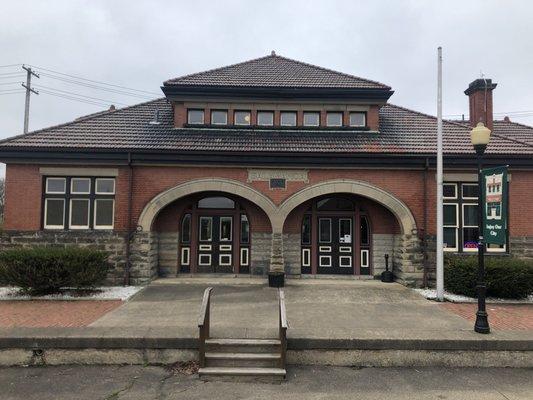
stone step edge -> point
(240, 371)
(242, 356)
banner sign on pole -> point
(495, 188)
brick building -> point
(267, 164)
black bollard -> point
(387, 276)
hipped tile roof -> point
(402, 131)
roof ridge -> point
(513, 122)
(330, 70)
(84, 119)
(427, 115)
(216, 69)
(274, 56)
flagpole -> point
(440, 230)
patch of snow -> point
(431, 294)
(100, 293)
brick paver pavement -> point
(47, 313)
(501, 317)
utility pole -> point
(29, 90)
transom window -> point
(195, 117)
(78, 203)
(242, 117)
(216, 202)
(288, 118)
(334, 119)
(265, 118)
(358, 119)
(311, 118)
(219, 117)
(460, 222)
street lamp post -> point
(480, 137)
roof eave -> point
(277, 92)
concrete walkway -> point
(315, 308)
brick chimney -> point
(480, 96)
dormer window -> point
(195, 117)
(242, 117)
(219, 117)
(265, 118)
(358, 119)
(311, 118)
(334, 119)
(288, 118)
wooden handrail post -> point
(203, 325)
(283, 325)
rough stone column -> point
(276, 257)
(143, 258)
(408, 259)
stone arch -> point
(163, 199)
(396, 206)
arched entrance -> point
(335, 237)
(214, 235)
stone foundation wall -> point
(408, 260)
(382, 243)
(292, 253)
(112, 242)
(144, 257)
(261, 251)
(168, 253)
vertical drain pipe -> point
(425, 222)
(129, 234)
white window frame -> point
(185, 256)
(366, 264)
(79, 179)
(265, 112)
(330, 230)
(70, 225)
(359, 113)
(468, 198)
(351, 230)
(456, 191)
(294, 113)
(463, 226)
(225, 264)
(200, 229)
(225, 112)
(220, 229)
(203, 264)
(321, 265)
(104, 193)
(245, 255)
(62, 226)
(189, 111)
(102, 227)
(306, 257)
(349, 258)
(328, 113)
(317, 113)
(242, 111)
(47, 191)
(456, 227)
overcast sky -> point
(139, 44)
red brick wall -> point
(23, 198)
(24, 185)
(477, 108)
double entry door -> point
(215, 243)
(335, 245)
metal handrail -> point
(283, 326)
(203, 325)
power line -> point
(94, 81)
(10, 83)
(8, 91)
(95, 103)
(80, 95)
(10, 65)
(91, 86)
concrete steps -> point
(254, 359)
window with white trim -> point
(461, 228)
(78, 203)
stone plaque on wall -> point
(290, 175)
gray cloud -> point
(140, 44)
